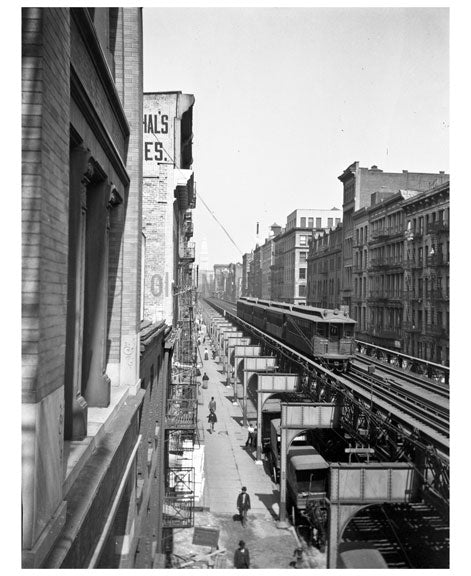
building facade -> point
(247, 282)
(81, 234)
(324, 271)
(100, 387)
(386, 269)
(427, 275)
(289, 270)
(358, 186)
(360, 272)
(168, 197)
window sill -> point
(77, 452)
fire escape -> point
(436, 295)
(182, 400)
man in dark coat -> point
(241, 556)
(243, 505)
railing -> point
(386, 295)
(412, 295)
(378, 295)
(384, 233)
(188, 228)
(437, 260)
(179, 500)
(385, 263)
(435, 330)
(382, 332)
(438, 295)
(187, 252)
(438, 227)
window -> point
(337, 221)
(302, 290)
(330, 222)
(310, 222)
(303, 222)
(303, 240)
(302, 273)
(318, 222)
(302, 256)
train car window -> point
(322, 330)
(333, 331)
(347, 330)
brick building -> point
(358, 186)
(324, 272)
(81, 233)
(247, 281)
(97, 376)
(168, 197)
(427, 274)
(385, 268)
(289, 270)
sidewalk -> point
(228, 466)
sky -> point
(287, 98)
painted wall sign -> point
(159, 133)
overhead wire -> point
(200, 197)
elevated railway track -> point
(415, 402)
(410, 410)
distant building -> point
(205, 272)
(247, 259)
(221, 279)
(267, 259)
(289, 270)
(324, 269)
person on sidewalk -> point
(250, 430)
(212, 419)
(243, 505)
(206, 354)
(241, 556)
(212, 404)
(205, 380)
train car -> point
(275, 447)
(359, 555)
(328, 336)
(306, 476)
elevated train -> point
(328, 336)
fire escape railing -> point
(181, 417)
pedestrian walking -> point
(243, 505)
(205, 380)
(241, 556)
(212, 419)
(254, 437)
(206, 354)
(250, 430)
(212, 404)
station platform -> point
(229, 465)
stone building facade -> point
(324, 271)
(289, 270)
(81, 228)
(96, 374)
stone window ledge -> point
(77, 453)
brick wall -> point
(45, 155)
